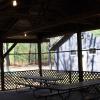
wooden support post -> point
(2, 66)
(49, 58)
(58, 59)
(79, 44)
(39, 58)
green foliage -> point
(25, 53)
(95, 32)
(44, 47)
(21, 48)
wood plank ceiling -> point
(41, 19)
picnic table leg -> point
(45, 97)
(81, 91)
(69, 91)
(16, 86)
(61, 95)
(50, 90)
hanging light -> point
(14, 3)
(25, 35)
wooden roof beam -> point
(24, 40)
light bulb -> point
(25, 34)
(14, 3)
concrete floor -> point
(27, 94)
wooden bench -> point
(47, 94)
(29, 85)
(24, 84)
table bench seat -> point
(46, 93)
(24, 84)
(29, 85)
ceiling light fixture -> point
(14, 3)
(25, 35)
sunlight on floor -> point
(27, 67)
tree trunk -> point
(29, 60)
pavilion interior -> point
(37, 22)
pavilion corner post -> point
(39, 58)
(80, 67)
(2, 66)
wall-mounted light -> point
(14, 3)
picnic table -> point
(45, 81)
(51, 84)
(41, 79)
(80, 86)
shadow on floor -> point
(27, 94)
